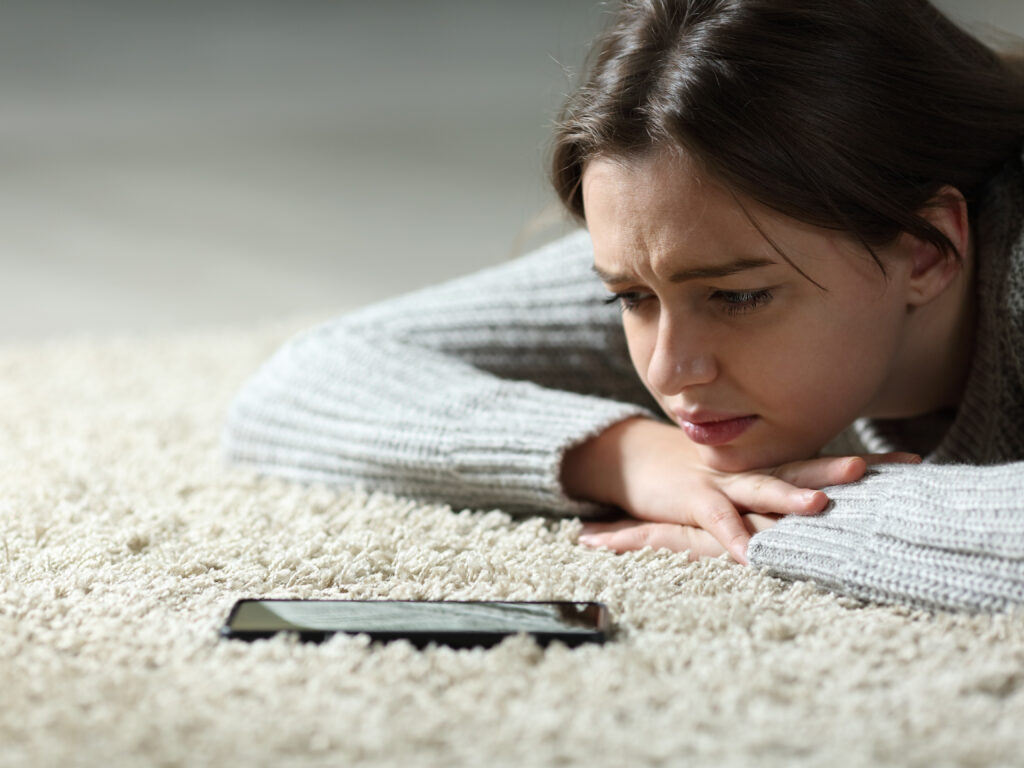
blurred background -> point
(200, 163)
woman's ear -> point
(931, 269)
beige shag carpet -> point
(124, 540)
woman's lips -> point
(717, 432)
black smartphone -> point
(456, 623)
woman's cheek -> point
(640, 342)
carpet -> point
(125, 539)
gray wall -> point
(983, 16)
(202, 162)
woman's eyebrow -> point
(694, 273)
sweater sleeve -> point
(467, 393)
(933, 536)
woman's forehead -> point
(664, 216)
(663, 204)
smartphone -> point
(459, 624)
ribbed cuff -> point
(522, 466)
(822, 548)
(946, 537)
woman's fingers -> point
(896, 457)
(706, 505)
(630, 535)
(794, 488)
(823, 472)
(722, 510)
(636, 535)
(836, 470)
(764, 493)
(596, 529)
(718, 516)
(758, 523)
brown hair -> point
(846, 114)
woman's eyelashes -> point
(738, 302)
(730, 302)
(627, 300)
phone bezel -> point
(455, 639)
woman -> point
(809, 215)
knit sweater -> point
(471, 392)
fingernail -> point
(813, 498)
(906, 458)
(589, 539)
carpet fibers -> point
(124, 541)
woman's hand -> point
(651, 471)
(631, 534)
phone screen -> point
(455, 623)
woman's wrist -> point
(596, 469)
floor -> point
(181, 165)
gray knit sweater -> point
(470, 392)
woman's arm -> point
(468, 392)
(933, 536)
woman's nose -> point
(680, 360)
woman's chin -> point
(737, 458)
(726, 459)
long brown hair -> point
(846, 114)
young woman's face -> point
(753, 361)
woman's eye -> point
(732, 302)
(738, 302)
(627, 300)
